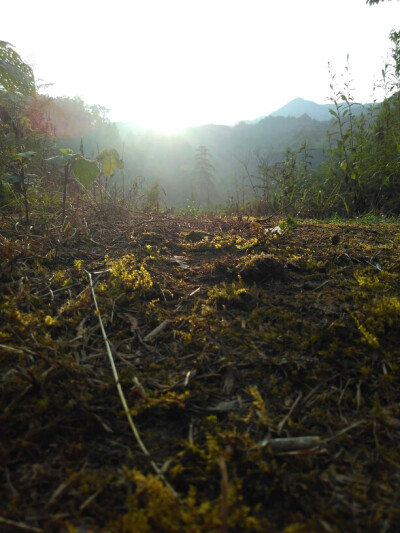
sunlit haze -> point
(169, 64)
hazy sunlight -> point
(168, 65)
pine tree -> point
(204, 177)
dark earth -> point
(260, 366)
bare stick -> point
(20, 525)
(286, 418)
(121, 392)
(291, 444)
(157, 330)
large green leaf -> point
(85, 171)
(15, 75)
(24, 155)
(12, 179)
(60, 160)
(110, 161)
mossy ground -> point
(269, 335)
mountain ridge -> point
(299, 107)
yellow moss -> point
(176, 470)
(4, 336)
(23, 319)
(387, 308)
(78, 264)
(258, 407)
(50, 255)
(366, 281)
(312, 264)
(102, 287)
(366, 335)
(211, 419)
(228, 290)
(50, 321)
(75, 304)
(294, 257)
(127, 272)
(60, 277)
(248, 243)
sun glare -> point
(163, 124)
(157, 113)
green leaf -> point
(24, 155)
(15, 75)
(12, 178)
(110, 161)
(60, 160)
(333, 112)
(85, 171)
(343, 165)
(66, 151)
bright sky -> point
(167, 64)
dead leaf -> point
(132, 320)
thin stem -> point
(121, 392)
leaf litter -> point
(260, 370)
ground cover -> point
(260, 366)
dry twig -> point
(121, 392)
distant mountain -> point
(299, 107)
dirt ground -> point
(259, 362)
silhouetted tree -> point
(204, 174)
